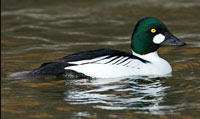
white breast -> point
(104, 70)
(157, 65)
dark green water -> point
(35, 31)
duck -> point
(148, 36)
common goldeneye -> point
(148, 35)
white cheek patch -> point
(158, 38)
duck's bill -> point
(171, 40)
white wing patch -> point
(107, 67)
(104, 70)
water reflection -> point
(140, 95)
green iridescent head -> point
(150, 34)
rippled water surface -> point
(35, 31)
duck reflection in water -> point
(141, 95)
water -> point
(37, 31)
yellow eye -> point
(153, 30)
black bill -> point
(171, 40)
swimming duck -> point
(149, 35)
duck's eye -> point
(153, 30)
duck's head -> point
(150, 34)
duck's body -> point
(148, 36)
(115, 64)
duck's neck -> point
(153, 56)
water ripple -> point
(16, 28)
(40, 14)
(191, 35)
(33, 38)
